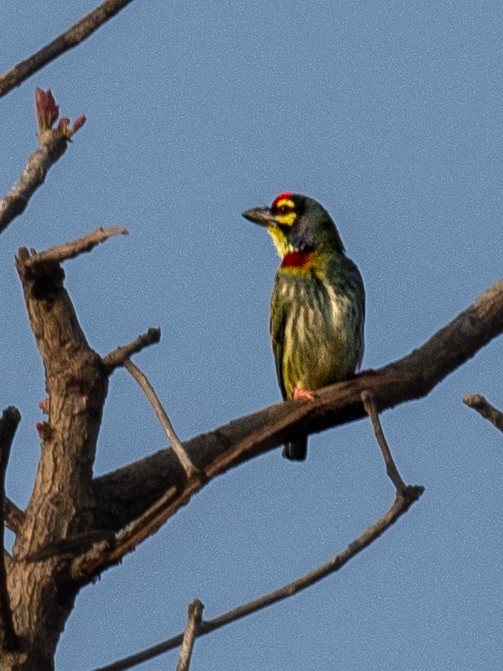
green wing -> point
(277, 330)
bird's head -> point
(297, 224)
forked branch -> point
(400, 506)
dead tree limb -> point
(60, 519)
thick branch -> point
(126, 493)
(8, 425)
(400, 506)
(66, 41)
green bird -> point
(317, 305)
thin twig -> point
(52, 146)
(121, 354)
(391, 469)
(189, 468)
(194, 618)
(69, 250)
(106, 554)
(485, 409)
(8, 425)
(400, 506)
(64, 42)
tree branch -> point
(190, 470)
(121, 354)
(8, 425)
(194, 618)
(13, 516)
(485, 409)
(125, 494)
(391, 469)
(400, 506)
(69, 250)
(66, 41)
(52, 146)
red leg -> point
(303, 394)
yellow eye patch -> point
(284, 211)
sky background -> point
(390, 114)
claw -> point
(303, 395)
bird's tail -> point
(296, 450)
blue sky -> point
(388, 113)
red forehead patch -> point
(281, 196)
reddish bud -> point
(63, 126)
(78, 123)
(48, 113)
(46, 109)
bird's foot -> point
(303, 395)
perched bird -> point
(317, 305)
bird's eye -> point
(284, 209)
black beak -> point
(260, 215)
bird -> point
(317, 310)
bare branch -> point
(69, 250)
(190, 470)
(103, 555)
(400, 506)
(194, 618)
(76, 384)
(391, 469)
(124, 494)
(66, 41)
(8, 425)
(52, 146)
(121, 354)
(485, 409)
(13, 516)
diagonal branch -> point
(190, 470)
(194, 619)
(125, 494)
(485, 409)
(121, 354)
(8, 425)
(400, 506)
(69, 250)
(13, 516)
(66, 41)
(391, 469)
(52, 146)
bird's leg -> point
(303, 395)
